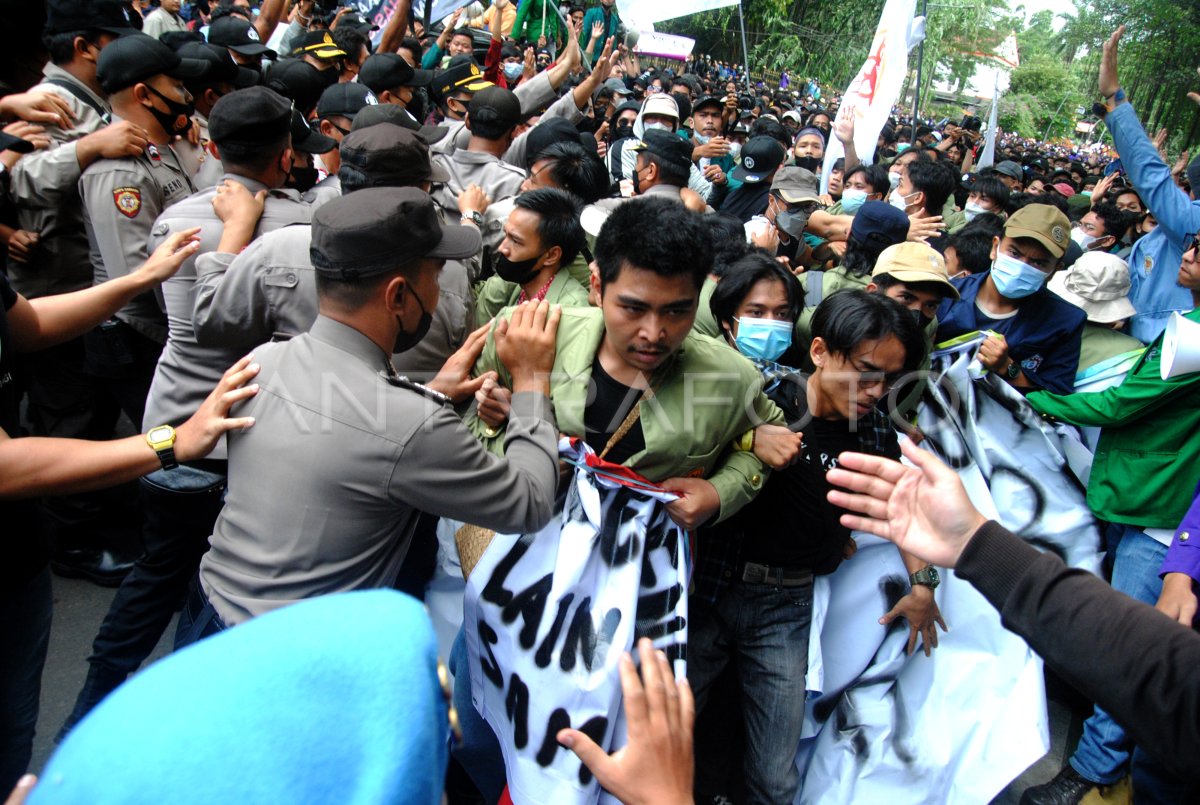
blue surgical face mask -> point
(1015, 278)
(513, 70)
(763, 339)
(853, 199)
(702, 139)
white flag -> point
(989, 147)
(876, 88)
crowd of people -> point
(345, 282)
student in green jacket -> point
(1142, 481)
(542, 236)
(637, 351)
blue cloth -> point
(1044, 336)
(1184, 554)
(1155, 258)
(331, 700)
(1104, 749)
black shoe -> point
(98, 567)
(1067, 788)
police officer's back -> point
(324, 490)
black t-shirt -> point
(605, 414)
(24, 550)
(791, 523)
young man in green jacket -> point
(1142, 481)
(637, 350)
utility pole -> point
(920, 63)
(1046, 133)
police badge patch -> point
(128, 201)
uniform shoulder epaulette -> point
(402, 382)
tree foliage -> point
(1159, 54)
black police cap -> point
(390, 156)
(380, 229)
(69, 16)
(221, 66)
(306, 139)
(386, 71)
(298, 80)
(391, 113)
(666, 145)
(465, 75)
(250, 117)
(138, 57)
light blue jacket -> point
(1155, 259)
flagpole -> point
(745, 50)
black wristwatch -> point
(475, 217)
(1012, 370)
(927, 577)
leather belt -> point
(753, 573)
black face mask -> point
(824, 130)
(177, 119)
(519, 271)
(923, 321)
(406, 341)
(329, 76)
(810, 163)
(636, 181)
(303, 179)
(623, 131)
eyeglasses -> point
(870, 377)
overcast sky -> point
(1034, 6)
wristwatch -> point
(474, 216)
(926, 576)
(1012, 370)
(162, 441)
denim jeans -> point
(763, 630)
(25, 637)
(1104, 749)
(180, 507)
(479, 750)
(199, 618)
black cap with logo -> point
(666, 145)
(465, 75)
(345, 100)
(761, 156)
(238, 35)
(308, 140)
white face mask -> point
(973, 209)
(658, 126)
(1084, 240)
(899, 201)
(894, 179)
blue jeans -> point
(25, 636)
(479, 750)
(198, 619)
(180, 507)
(763, 630)
(1104, 749)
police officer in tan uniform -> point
(122, 198)
(324, 500)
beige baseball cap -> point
(914, 262)
(1043, 223)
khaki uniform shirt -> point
(269, 292)
(205, 169)
(496, 177)
(187, 371)
(45, 190)
(122, 198)
(326, 488)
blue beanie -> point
(331, 700)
